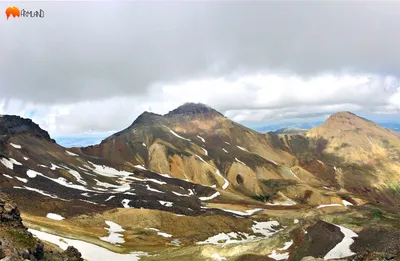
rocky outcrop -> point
(16, 243)
(9, 212)
(192, 108)
(12, 125)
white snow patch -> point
(202, 139)
(335, 168)
(296, 221)
(54, 216)
(123, 188)
(7, 176)
(62, 181)
(71, 154)
(225, 150)
(240, 161)
(39, 191)
(217, 257)
(108, 171)
(9, 163)
(287, 202)
(144, 144)
(329, 205)
(342, 249)
(346, 203)
(89, 251)
(26, 158)
(88, 201)
(151, 228)
(159, 233)
(164, 234)
(54, 167)
(32, 174)
(156, 181)
(205, 151)
(278, 256)
(114, 237)
(179, 194)
(125, 203)
(176, 135)
(140, 167)
(43, 166)
(15, 145)
(227, 143)
(166, 203)
(77, 176)
(286, 246)
(216, 194)
(105, 184)
(22, 179)
(264, 228)
(248, 212)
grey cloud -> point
(84, 51)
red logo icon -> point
(12, 11)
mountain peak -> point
(347, 121)
(146, 118)
(13, 125)
(346, 117)
(191, 108)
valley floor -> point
(330, 233)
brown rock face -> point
(9, 213)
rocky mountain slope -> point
(353, 154)
(16, 243)
(235, 193)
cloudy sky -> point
(93, 67)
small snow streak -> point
(329, 205)
(71, 154)
(202, 139)
(243, 149)
(216, 194)
(240, 161)
(15, 145)
(176, 135)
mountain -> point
(236, 194)
(352, 153)
(197, 143)
(289, 131)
